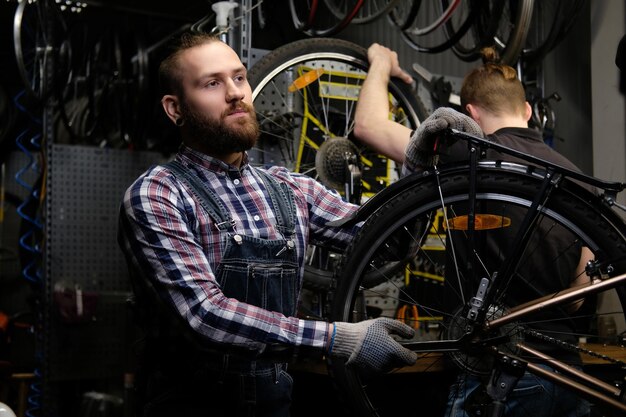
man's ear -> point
(473, 112)
(171, 107)
(528, 111)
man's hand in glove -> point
(369, 345)
(422, 151)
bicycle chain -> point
(575, 348)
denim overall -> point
(256, 271)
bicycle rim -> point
(380, 274)
(326, 76)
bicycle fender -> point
(380, 198)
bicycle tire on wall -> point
(510, 43)
(481, 33)
(345, 51)
(368, 12)
(332, 52)
(595, 224)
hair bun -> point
(489, 55)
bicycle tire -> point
(439, 42)
(482, 32)
(402, 14)
(358, 295)
(345, 64)
(368, 12)
(330, 25)
(111, 80)
(514, 27)
(438, 20)
(303, 24)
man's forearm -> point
(372, 123)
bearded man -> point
(216, 249)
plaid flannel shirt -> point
(175, 243)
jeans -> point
(264, 392)
(532, 396)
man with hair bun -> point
(494, 102)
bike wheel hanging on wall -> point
(314, 19)
(305, 93)
(367, 13)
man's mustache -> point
(238, 107)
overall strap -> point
(205, 196)
(283, 201)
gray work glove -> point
(422, 151)
(369, 345)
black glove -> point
(423, 147)
(369, 345)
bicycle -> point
(444, 217)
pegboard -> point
(88, 338)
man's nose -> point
(234, 92)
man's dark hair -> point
(169, 71)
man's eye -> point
(212, 84)
(240, 78)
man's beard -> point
(215, 137)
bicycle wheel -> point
(368, 12)
(39, 39)
(31, 49)
(511, 34)
(402, 14)
(305, 95)
(413, 254)
(440, 17)
(321, 24)
(421, 33)
(297, 14)
(482, 32)
(110, 80)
